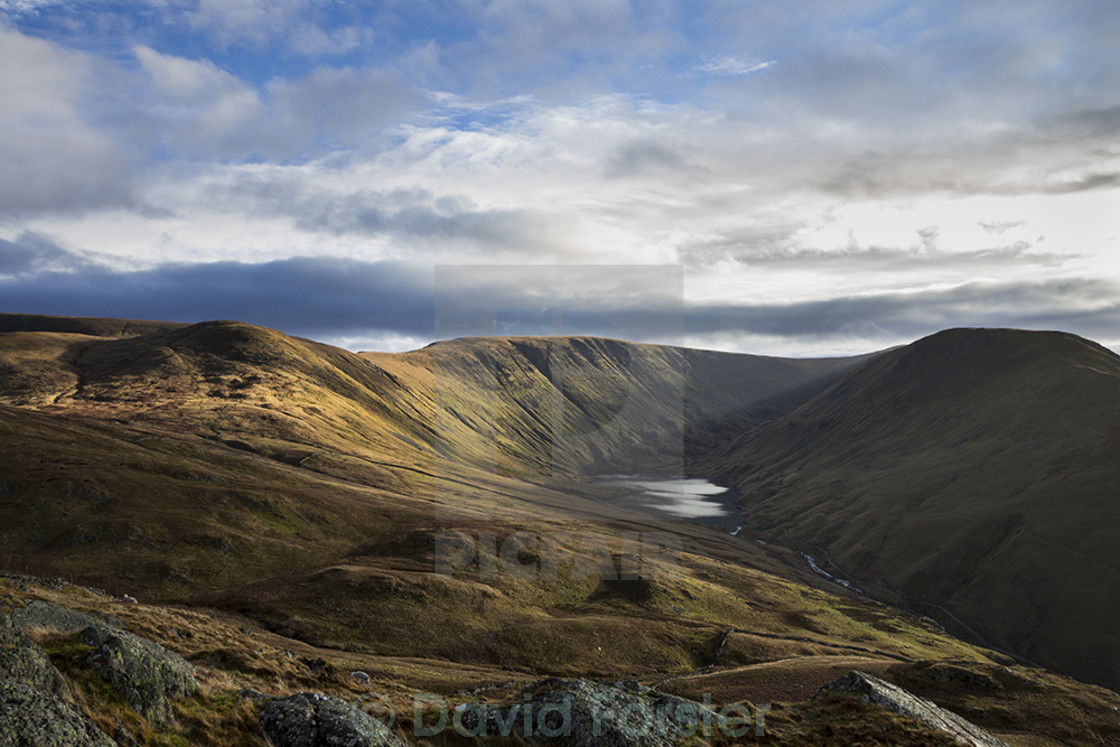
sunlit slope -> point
(523, 406)
(974, 469)
(193, 457)
(583, 405)
(158, 513)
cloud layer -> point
(825, 176)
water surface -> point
(692, 498)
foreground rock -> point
(313, 720)
(49, 616)
(33, 717)
(147, 675)
(874, 690)
(580, 713)
(23, 661)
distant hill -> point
(976, 469)
(585, 405)
(82, 325)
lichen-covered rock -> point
(32, 717)
(874, 690)
(147, 675)
(124, 737)
(314, 720)
(49, 616)
(23, 661)
(579, 713)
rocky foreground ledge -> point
(37, 707)
(70, 677)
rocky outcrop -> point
(874, 690)
(147, 675)
(24, 662)
(32, 709)
(52, 617)
(314, 720)
(32, 717)
(579, 713)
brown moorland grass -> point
(296, 490)
(974, 470)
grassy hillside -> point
(976, 470)
(234, 464)
(302, 492)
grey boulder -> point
(581, 713)
(21, 660)
(52, 617)
(314, 720)
(147, 675)
(871, 689)
(32, 717)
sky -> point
(821, 177)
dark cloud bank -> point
(329, 298)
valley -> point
(439, 519)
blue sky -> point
(785, 178)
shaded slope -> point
(974, 469)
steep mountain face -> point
(975, 470)
(580, 405)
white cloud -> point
(55, 158)
(196, 106)
(732, 66)
(246, 22)
(313, 41)
(188, 82)
(197, 110)
(348, 105)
